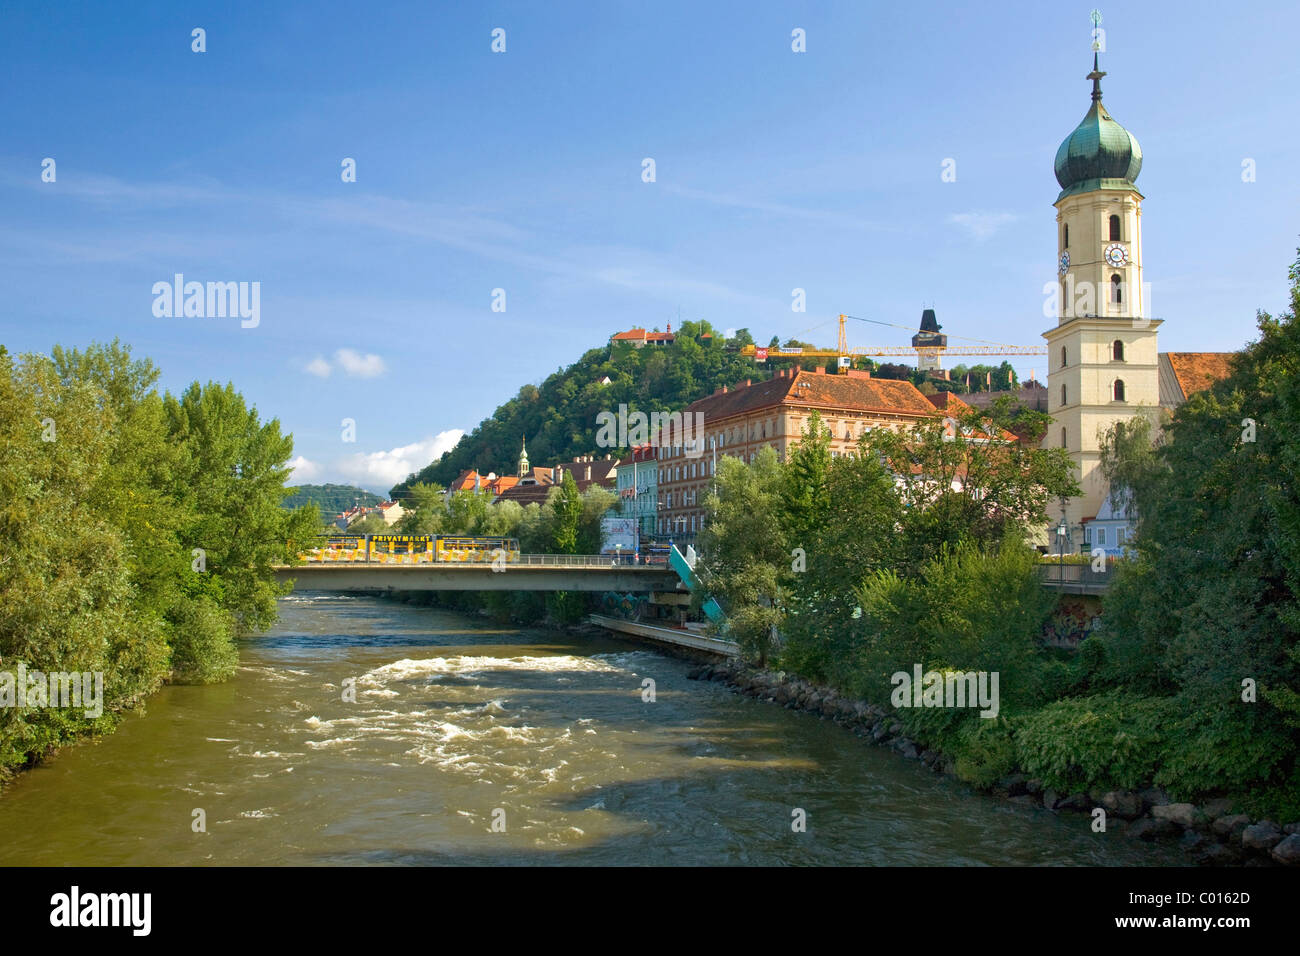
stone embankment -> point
(1212, 832)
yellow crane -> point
(927, 355)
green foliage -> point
(203, 646)
(106, 489)
(1213, 598)
(985, 750)
(1111, 741)
(749, 566)
(567, 505)
(967, 610)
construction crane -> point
(928, 345)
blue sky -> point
(522, 171)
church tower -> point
(523, 458)
(1102, 361)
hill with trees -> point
(558, 418)
(330, 499)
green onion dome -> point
(1099, 153)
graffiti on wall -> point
(1075, 617)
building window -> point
(1116, 290)
(1065, 236)
(1117, 351)
(1101, 536)
(1114, 229)
(1063, 402)
(1119, 537)
(1063, 445)
(1119, 390)
(1063, 356)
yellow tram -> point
(417, 549)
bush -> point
(1112, 740)
(203, 643)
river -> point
(460, 724)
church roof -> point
(1100, 153)
(1182, 374)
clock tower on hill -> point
(1102, 356)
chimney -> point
(857, 373)
(821, 369)
(748, 382)
(724, 390)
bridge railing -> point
(1080, 578)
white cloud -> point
(319, 367)
(352, 363)
(303, 471)
(386, 468)
(360, 366)
(981, 225)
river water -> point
(459, 724)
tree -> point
(1213, 598)
(566, 503)
(749, 563)
(230, 481)
(962, 479)
(805, 494)
(370, 524)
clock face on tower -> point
(1065, 263)
(1116, 255)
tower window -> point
(1063, 363)
(1117, 351)
(1119, 390)
(1114, 228)
(1065, 236)
(1063, 445)
(1116, 290)
(1063, 402)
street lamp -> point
(1060, 546)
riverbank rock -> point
(1033, 787)
(1154, 797)
(1015, 785)
(1122, 803)
(1050, 799)
(1078, 802)
(1213, 854)
(1220, 807)
(1183, 814)
(1149, 829)
(1288, 851)
(1263, 836)
(1291, 828)
(1230, 827)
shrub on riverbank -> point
(139, 531)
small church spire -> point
(1097, 73)
(523, 456)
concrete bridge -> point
(529, 572)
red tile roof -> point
(893, 396)
(641, 335)
(1197, 371)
